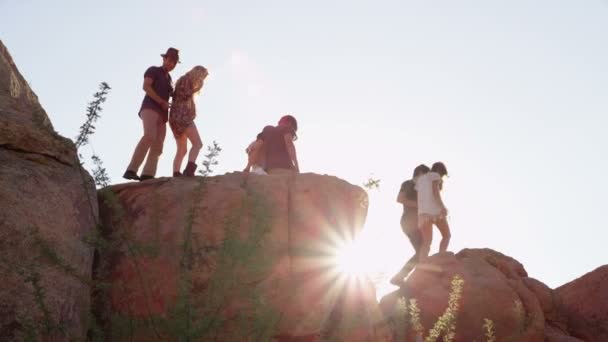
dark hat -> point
(172, 53)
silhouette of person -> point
(181, 120)
(154, 113)
(408, 197)
(431, 210)
(279, 149)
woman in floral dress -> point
(181, 119)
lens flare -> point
(351, 260)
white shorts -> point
(424, 219)
(258, 170)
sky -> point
(511, 95)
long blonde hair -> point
(191, 83)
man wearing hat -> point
(154, 114)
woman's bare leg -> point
(180, 153)
(444, 229)
(195, 140)
(426, 229)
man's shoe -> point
(145, 177)
(397, 280)
(177, 174)
(189, 170)
(130, 175)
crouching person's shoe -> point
(189, 170)
(131, 175)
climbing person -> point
(408, 197)
(432, 210)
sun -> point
(351, 259)
(373, 255)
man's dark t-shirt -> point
(409, 190)
(162, 85)
(277, 156)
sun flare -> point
(350, 260)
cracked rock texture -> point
(48, 207)
(498, 288)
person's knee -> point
(425, 242)
(157, 149)
(197, 145)
(148, 139)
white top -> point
(250, 147)
(256, 168)
(427, 204)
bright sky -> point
(511, 95)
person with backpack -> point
(431, 210)
(408, 197)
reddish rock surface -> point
(493, 289)
(47, 207)
(254, 243)
(497, 287)
(585, 305)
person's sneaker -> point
(130, 175)
(145, 177)
(177, 174)
(397, 280)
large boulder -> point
(468, 290)
(229, 257)
(556, 321)
(585, 305)
(48, 207)
(491, 287)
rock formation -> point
(235, 256)
(497, 288)
(585, 305)
(47, 208)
